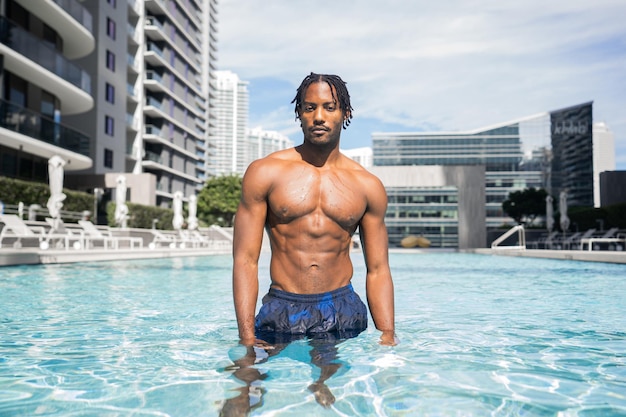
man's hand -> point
(388, 338)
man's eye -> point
(308, 108)
(330, 108)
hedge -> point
(140, 216)
(14, 191)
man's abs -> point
(302, 272)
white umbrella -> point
(121, 209)
(192, 219)
(549, 213)
(55, 176)
(178, 219)
(563, 210)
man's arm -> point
(247, 240)
(379, 285)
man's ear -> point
(346, 115)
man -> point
(311, 199)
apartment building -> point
(42, 85)
(154, 62)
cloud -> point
(434, 65)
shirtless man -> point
(311, 199)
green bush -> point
(13, 191)
(589, 217)
(140, 216)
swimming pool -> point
(480, 335)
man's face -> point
(321, 117)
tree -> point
(526, 204)
(218, 200)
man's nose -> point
(318, 115)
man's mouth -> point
(319, 130)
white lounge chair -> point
(546, 241)
(63, 236)
(162, 239)
(608, 237)
(92, 233)
(14, 227)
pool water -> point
(480, 336)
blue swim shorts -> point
(338, 314)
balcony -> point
(77, 11)
(42, 128)
(70, 19)
(153, 130)
(49, 58)
(154, 157)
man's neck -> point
(319, 156)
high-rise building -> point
(603, 156)
(363, 156)
(41, 85)
(551, 150)
(263, 142)
(231, 153)
(153, 68)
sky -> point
(430, 66)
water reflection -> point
(320, 351)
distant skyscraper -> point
(41, 85)
(229, 140)
(363, 156)
(263, 142)
(603, 156)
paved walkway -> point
(31, 256)
(570, 255)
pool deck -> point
(32, 256)
(566, 255)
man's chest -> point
(322, 197)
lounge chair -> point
(92, 233)
(194, 238)
(63, 236)
(546, 241)
(608, 237)
(161, 239)
(15, 227)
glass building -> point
(551, 150)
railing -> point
(35, 212)
(154, 76)
(154, 48)
(155, 157)
(41, 127)
(519, 229)
(153, 130)
(78, 12)
(151, 101)
(49, 58)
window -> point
(110, 28)
(108, 158)
(110, 93)
(109, 126)
(110, 60)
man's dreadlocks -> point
(333, 81)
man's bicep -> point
(250, 216)
(372, 227)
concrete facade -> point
(468, 213)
